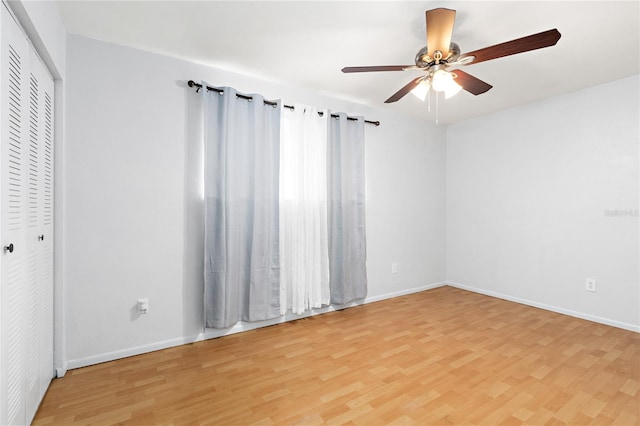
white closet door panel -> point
(33, 307)
(33, 256)
(13, 80)
(44, 237)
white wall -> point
(531, 199)
(133, 207)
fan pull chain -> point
(437, 110)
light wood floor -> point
(443, 356)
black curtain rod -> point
(192, 83)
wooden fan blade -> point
(439, 28)
(376, 68)
(470, 83)
(520, 45)
(406, 89)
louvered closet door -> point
(26, 228)
(39, 234)
(13, 62)
(32, 167)
(45, 367)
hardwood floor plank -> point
(443, 356)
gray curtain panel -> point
(346, 202)
(242, 154)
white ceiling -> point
(306, 43)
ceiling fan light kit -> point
(442, 81)
(421, 90)
(440, 58)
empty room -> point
(320, 212)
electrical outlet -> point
(590, 285)
(394, 268)
(143, 306)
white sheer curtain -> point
(242, 269)
(304, 253)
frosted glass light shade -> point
(443, 82)
(452, 89)
(421, 90)
(441, 79)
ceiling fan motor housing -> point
(423, 60)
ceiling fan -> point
(440, 56)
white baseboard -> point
(136, 350)
(576, 314)
(210, 333)
(405, 292)
(61, 371)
